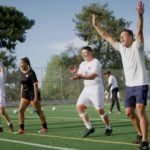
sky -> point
(54, 29)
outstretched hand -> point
(140, 7)
(73, 69)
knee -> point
(39, 111)
(130, 115)
(21, 111)
(80, 108)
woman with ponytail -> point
(29, 95)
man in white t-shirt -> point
(93, 92)
(113, 87)
(136, 77)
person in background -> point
(2, 99)
(113, 87)
(29, 95)
(136, 76)
(93, 92)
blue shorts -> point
(135, 94)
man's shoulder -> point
(95, 60)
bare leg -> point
(22, 107)
(37, 107)
(4, 114)
(81, 111)
(85, 119)
(105, 119)
(143, 121)
(130, 113)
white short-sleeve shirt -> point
(93, 66)
(113, 81)
(133, 59)
(2, 91)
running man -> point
(136, 77)
(90, 72)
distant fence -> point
(40, 71)
(64, 85)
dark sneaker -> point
(11, 129)
(1, 129)
(144, 146)
(88, 132)
(137, 140)
(108, 132)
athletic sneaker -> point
(11, 129)
(20, 131)
(137, 140)
(110, 112)
(43, 130)
(88, 132)
(1, 129)
(144, 146)
(108, 132)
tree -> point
(13, 26)
(87, 33)
(56, 83)
(12, 86)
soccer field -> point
(66, 129)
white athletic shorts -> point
(2, 98)
(92, 95)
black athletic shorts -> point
(29, 95)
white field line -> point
(36, 145)
(81, 139)
(68, 118)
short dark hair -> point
(107, 72)
(129, 31)
(88, 48)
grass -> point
(66, 129)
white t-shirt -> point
(93, 66)
(1, 80)
(112, 80)
(2, 91)
(133, 59)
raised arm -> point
(140, 12)
(102, 32)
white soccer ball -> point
(15, 111)
(53, 108)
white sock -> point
(8, 123)
(108, 127)
(88, 125)
(0, 126)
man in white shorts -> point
(2, 99)
(136, 77)
(93, 92)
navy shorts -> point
(135, 94)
